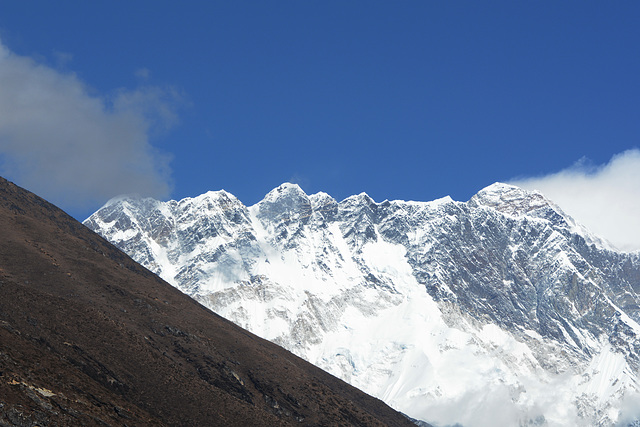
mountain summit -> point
(497, 311)
(89, 337)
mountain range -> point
(89, 337)
(501, 310)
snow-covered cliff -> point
(497, 311)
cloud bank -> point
(73, 147)
(604, 198)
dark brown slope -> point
(88, 337)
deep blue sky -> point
(402, 100)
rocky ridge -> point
(500, 303)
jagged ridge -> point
(402, 298)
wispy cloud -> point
(74, 147)
(604, 198)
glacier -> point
(501, 310)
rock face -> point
(89, 337)
(502, 305)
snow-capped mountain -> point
(497, 311)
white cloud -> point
(76, 148)
(630, 410)
(604, 198)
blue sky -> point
(401, 100)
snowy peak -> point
(517, 202)
(213, 204)
(283, 204)
(284, 192)
(324, 206)
(360, 206)
(321, 201)
(511, 200)
(218, 197)
(361, 199)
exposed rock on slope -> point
(89, 337)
